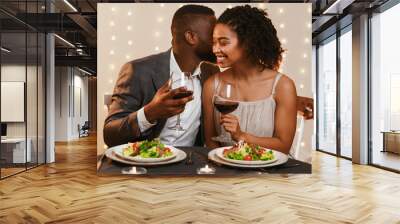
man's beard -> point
(207, 56)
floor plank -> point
(69, 191)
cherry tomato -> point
(248, 157)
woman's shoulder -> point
(284, 84)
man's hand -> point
(163, 105)
(305, 107)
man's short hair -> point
(184, 15)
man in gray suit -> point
(142, 105)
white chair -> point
(295, 150)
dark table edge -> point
(101, 158)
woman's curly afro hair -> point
(256, 35)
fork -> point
(189, 159)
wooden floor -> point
(387, 159)
(10, 171)
(69, 191)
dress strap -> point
(277, 77)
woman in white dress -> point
(246, 43)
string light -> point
(160, 19)
(282, 25)
(112, 23)
(112, 66)
(129, 13)
(156, 48)
(113, 37)
(307, 40)
(113, 9)
(180, 5)
(130, 42)
(110, 81)
(127, 56)
(280, 10)
(304, 55)
(309, 25)
(301, 86)
(129, 28)
(157, 34)
(284, 41)
(283, 55)
(162, 5)
(302, 144)
(302, 71)
(261, 5)
(229, 6)
(112, 52)
(309, 9)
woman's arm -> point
(208, 113)
(285, 120)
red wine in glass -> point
(226, 100)
(226, 107)
(182, 79)
(183, 94)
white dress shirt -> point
(190, 117)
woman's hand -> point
(231, 124)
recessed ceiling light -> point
(64, 40)
(70, 5)
(5, 50)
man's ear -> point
(191, 37)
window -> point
(385, 89)
(346, 93)
(327, 96)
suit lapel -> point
(159, 77)
(162, 70)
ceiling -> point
(78, 26)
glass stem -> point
(178, 120)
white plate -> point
(281, 159)
(119, 149)
(220, 153)
(115, 153)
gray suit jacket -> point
(137, 83)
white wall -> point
(129, 31)
(70, 83)
(34, 125)
(12, 73)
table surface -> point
(13, 140)
(390, 132)
(107, 166)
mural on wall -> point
(122, 37)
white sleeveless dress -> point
(255, 117)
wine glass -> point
(181, 79)
(225, 101)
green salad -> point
(147, 149)
(248, 152)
